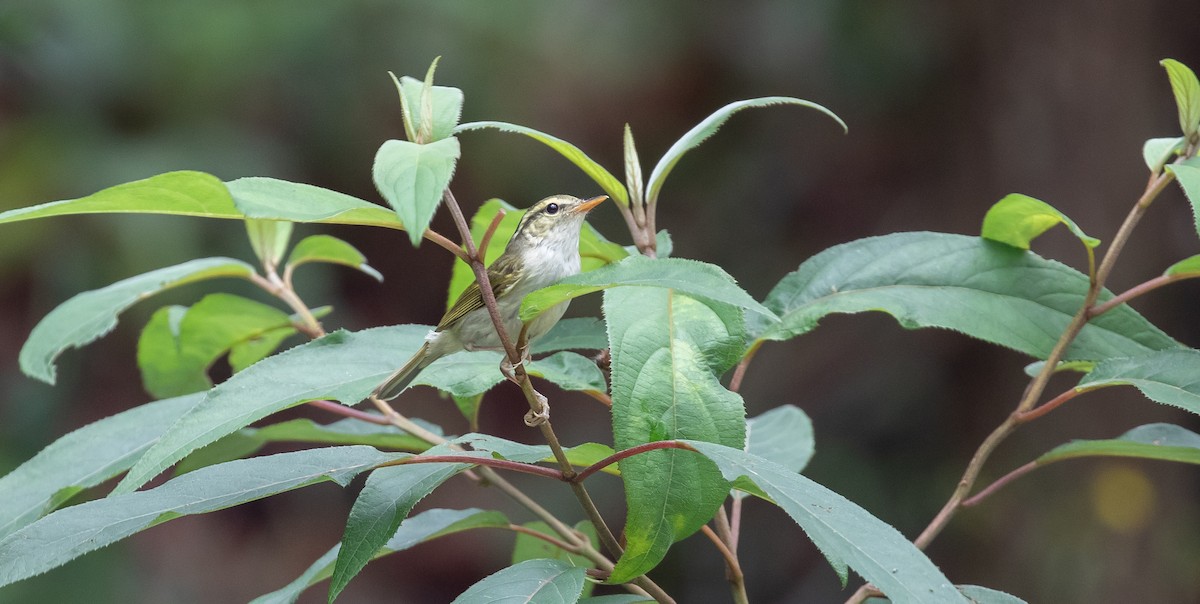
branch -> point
(1138, 290)
(995, 486)
(630, 452)
(487, 235)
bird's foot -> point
(540, 415)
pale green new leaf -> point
(847, 534)
(983, 289)
(603, 177)
(1187, 266)
(423, 527)
(1189, 181)
(1019, 219)
(274, 199)
(269, 239)
(686, 276)
(1165, 442)
(412, 178)
(709, 127)
(530, 582)
(90, 315)
(82, 459)
(1171, 377)
(1187, 95)
(667, 351)
(633, 169)
(183, 193)
(77, 530)
(446, 102)
(327, 248)
(1158, 152)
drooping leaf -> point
(783, 435)
(532, 582)
(269, 239)
(82, 459)
(341, 366)
(845, 533)
(1158, 152)
(685, 276)
(274, 199)
(1189, 181)
(667, 351)
(1170, 377)
(583, 333)
(977, 595)
(1166, 442)
(71, 532)
(617, 599)
(604, 178)
(327, 248)
(412, 178)
(1187, 95)
(1019, 219)
(175, 354)
(184, 193)
(692, 138)
(426, 526)
(1187, 266)
(984, 289)
(446, 102)
(90, 315)
(570, 371)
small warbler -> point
(544, 249)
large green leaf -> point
(77, 530)
(692, 138)
(330, 249)
(83, 458)
(603, 177)
(1187, 95)
(90, 315)
(1152, 441)
(1189, 181)
(418, 529)
(412, 178)
(175, 352)
(667, 351)
(984, 289)
(274, 199)
(1171, 377)
(183, 193)
(530, 582)
(847, 534)
(977, 595)
(1019, 219)
(686, 276)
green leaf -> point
(269, 239)
(1151, 441)
(709, 127)
(977, 595)
(570, 371)
(846, 534)
(1187, 266)
(667, 350)
(532, 582)
(446, 102)
(79, 529)
(82, 459)
(528, 547)
(327, 248)
(341, 366)
(1166, 376)
(183, 193)
(90, 315)
(1187, 96)
(348, 431)
(469, 407)
(274, 199)
(1034, 368)
(1019, 219)
(589, 453)
(583, 333)
(422, 527)
(617, 599)
(783, 435)
(178, 345)
(603, 177)
(983, 289)
(412, 178)
(1158, 152)
(685, 276)
(1189, 181)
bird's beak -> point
(587, 206)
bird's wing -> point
(502, 274)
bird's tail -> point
(398, 381)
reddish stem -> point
(502, 464)
(995, 486)
(487, 235)
(340, 409)
(630, 452)
(1051, 405)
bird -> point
(543, 249)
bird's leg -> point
(540, 415)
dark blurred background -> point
(950, 107)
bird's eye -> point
(552, 208)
